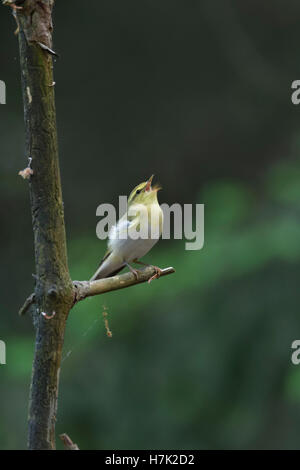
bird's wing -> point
(112, 262)
(121, 229)
(106, 255)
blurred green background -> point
(199, 93)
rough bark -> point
(53, 289)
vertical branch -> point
(53, 291)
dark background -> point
(199, 93)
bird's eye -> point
(138, 191)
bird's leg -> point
(134, 271)
(157, 270)
(141, 262)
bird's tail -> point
(109, 266)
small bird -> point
(144, 217)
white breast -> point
(130, 248)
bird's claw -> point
(135, 273)
(157, 274)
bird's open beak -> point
(148, 185)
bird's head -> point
(144, 193)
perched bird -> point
(134, 234)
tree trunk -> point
(53, 289)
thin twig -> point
(27, 304)
(85, 289)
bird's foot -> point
(157, 274)
(135, 272)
